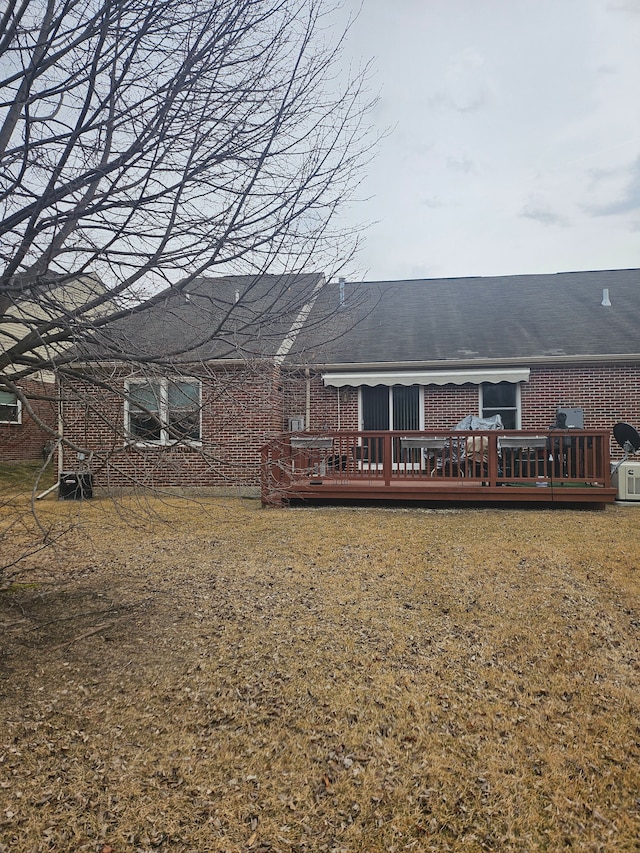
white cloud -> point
(624, 6)
(627, 200)
(538, 210)
(461, 164)
(467, 87)
(515, 124)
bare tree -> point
(146, 142)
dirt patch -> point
(218, 677)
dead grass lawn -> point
(229, 678)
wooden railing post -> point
(270, 486)
(493, 459)
(387, 458)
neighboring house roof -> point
(44, 311)
(230, 317)
(475, 321)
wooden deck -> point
(525, 466)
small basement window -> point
(163, 411)
(501, 398)
(10, 408)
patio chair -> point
(476, 456)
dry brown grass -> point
(331, 679)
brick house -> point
(22, 438)
(185, 391)
(28, 386)
(424, 354)
(205, 376)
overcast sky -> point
(515, 136)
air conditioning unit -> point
(296, 424)
(575, 417)
(627, 480)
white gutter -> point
(213, 362)
(472, 364)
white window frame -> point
(165, 440)
(18, 405)
(517, 409)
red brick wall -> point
(294, 396)
(26, 441)
(329, 413)
(241, 409)
(325, 413)
(606, 393)
(445, 405)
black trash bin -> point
(74, 486)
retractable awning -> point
(424, 377)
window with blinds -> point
(388, 408)
(395, 408)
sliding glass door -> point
(389, 408)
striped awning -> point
(424, 377)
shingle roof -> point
(243, 317)
(477, 320)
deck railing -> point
(534, 458)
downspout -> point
(338, 394)
(307, 408)
(60, 436)
(59, 455)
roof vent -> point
(341, 287)
(605, 298)
(237, 296)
